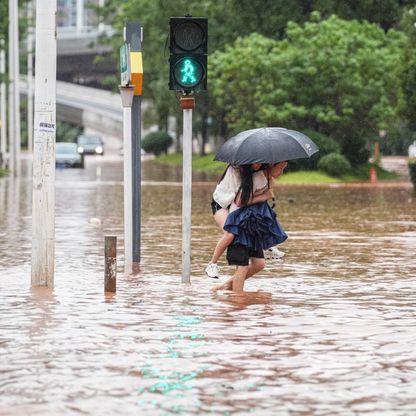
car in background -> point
(67, 155)
(90, 145)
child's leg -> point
(220, 217)
(221, 246)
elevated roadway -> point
(97, 110)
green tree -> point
(334, 76)
(409, 68)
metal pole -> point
(30, 40)
(127, 101)
(3, 111)
(43, 213)
(16, 90)
(133, 38)
(187, 104)
(12, 135)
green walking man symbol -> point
(188, 70)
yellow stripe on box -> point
(136, 62)
(136, 65)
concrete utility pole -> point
(30, 41)
(11, 95)
(43, 213)
(3, 111)
(14, 94)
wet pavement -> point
(328, 331)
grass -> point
(3, 172)
(207, 164)
(199, 163)
(307, 177)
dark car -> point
(90, 145)
(67, 155)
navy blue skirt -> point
(255, 226)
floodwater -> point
(331, 330)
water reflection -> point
(330, 330)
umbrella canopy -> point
(266, 145)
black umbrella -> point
(266, 145)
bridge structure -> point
(83, 58)
(97, 110)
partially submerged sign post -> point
(126, 92)
(131, 78)
(133, 38)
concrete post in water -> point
(187, 105)
(127, 100)
(30, 41)
(3, 111)
(11, 86)
(14, 95)
(44, 132)
(133, 37)
(110, 271)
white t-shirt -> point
(226, 191)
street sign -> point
(125, 70)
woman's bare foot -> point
(223, 286)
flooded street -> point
(331, 330)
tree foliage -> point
(334, 76)
(408, 24)
(234, 19)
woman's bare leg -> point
(239, 278)
(256, 265)
(226, 239)
(220, 217)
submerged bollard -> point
(110, 271)
(373, 175)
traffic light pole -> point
(188, 50)
(187, 105)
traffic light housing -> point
(188, 47)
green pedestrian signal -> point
(188, 54)
(187, 69)
(188, 73)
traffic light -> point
(188, 54)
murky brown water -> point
(329, 331)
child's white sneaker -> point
(212, 270)
(273, 254)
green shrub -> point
(412, 171)
(334, 164)
(157, 142)
(326, 146)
